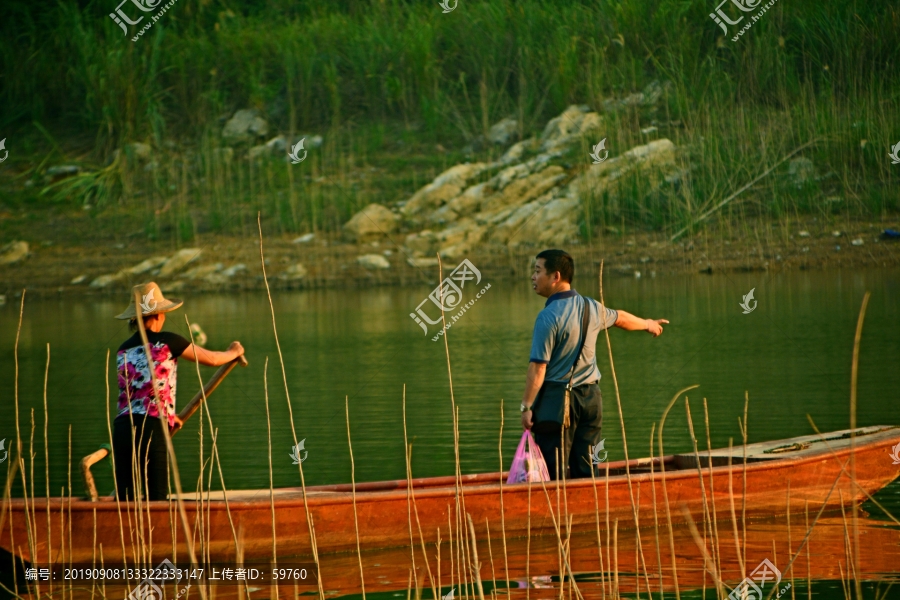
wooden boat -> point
(795, 475)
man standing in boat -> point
(563, 364)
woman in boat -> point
(138, 425)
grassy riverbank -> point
(398, 91)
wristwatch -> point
(524, 408)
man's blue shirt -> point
(557, 331)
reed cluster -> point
(384, 81)
(713, 537)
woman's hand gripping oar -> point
(190, 408)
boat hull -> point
(389, 515)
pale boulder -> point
(294, 272)
(13, 252)
(147, 265)
(245, 126)
(373, 261)
(179, 261)
(371, 223)
(445, 186)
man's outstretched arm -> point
(629, 322)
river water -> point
(792, 356)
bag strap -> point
(585, 321)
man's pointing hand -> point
(654, 326)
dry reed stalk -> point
(599, 543)
(462, 537)
(848, 544)
(309, 520)
(616, 557)
(662, 467)
(47, 465)
(737, 541)
(854, 377)
(69, 503)
(557, 527)
(852, 480)
(19, 460)
(707, 518)
(608, 529)
(412, 547)
(112, 457)
(500, 487)
(612, 369)
(844, 583)
(708, 563)
(528, 546)
(437, 546)
(213, 434)
(453, 572)
(271, 480)
(487, 529)
(810, 528)
(656, 516)
(11, 468)
(712, 491)
(560, 473)
(173, 461)
(476, 565)
(422, 540)
(744, 434)
(362, 578)
(790, 545)
(808, 565)
(31, 520)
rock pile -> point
(533, 194)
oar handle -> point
(91, 459)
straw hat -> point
(152, 302)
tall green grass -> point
(386, 80)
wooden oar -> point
(190, 408)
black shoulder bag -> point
(551, 408)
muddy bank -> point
(218, 263)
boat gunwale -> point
(478, 482)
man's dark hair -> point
(558, 260)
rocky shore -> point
(497, 214)
(225, 264)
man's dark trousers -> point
(586, 417)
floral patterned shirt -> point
(135, 383)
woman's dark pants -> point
(150, 444)
(586, 417)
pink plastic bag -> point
(528, 464)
